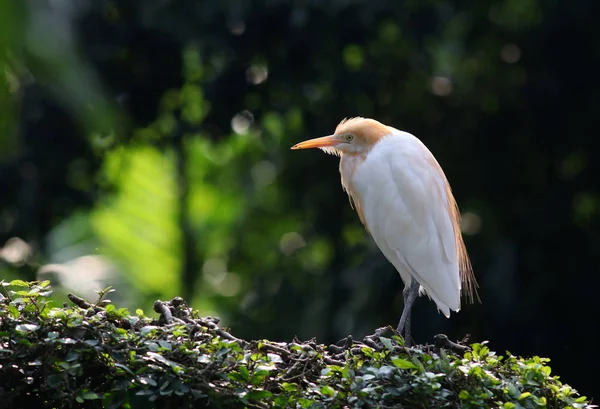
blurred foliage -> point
(93, 354)
(146, 144)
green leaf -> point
(13, 311)
(368, 351)
(289, 387)
(147, 329)
(244, 373)
(204, 359)
(387, 343)
(327, 390)
(334, 368)
(403, 363)
(145, 392)
(256, 395)
(159, 358)
(27, 327)
(19, 283)
(146, 380)
(24, 342)
(263, 370)
(122, 312)
(347, 372)
(54, 380)
(222, 352)
(274, 358)
(89, 395)
(281, 402)
(305, 403)
(72, 356)
(235, 376)
(524, 395)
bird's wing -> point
(406, 206)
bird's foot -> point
(403, 330)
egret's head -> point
(352, 136)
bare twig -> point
(442, 341)
(78, 301)
(165, 313)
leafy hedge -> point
(96, 355)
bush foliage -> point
(96, 355)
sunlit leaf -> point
(403, 363)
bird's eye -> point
(349, 137)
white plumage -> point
(404, 204)
(404, 200)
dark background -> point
(150, 139)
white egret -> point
(405, 202)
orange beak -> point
(321, 142)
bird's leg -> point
(407, 334)
(410, 294)
(404, 315)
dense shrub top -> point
(92, 354)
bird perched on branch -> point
(404, 201)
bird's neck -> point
(348, 165)
(349, 162)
